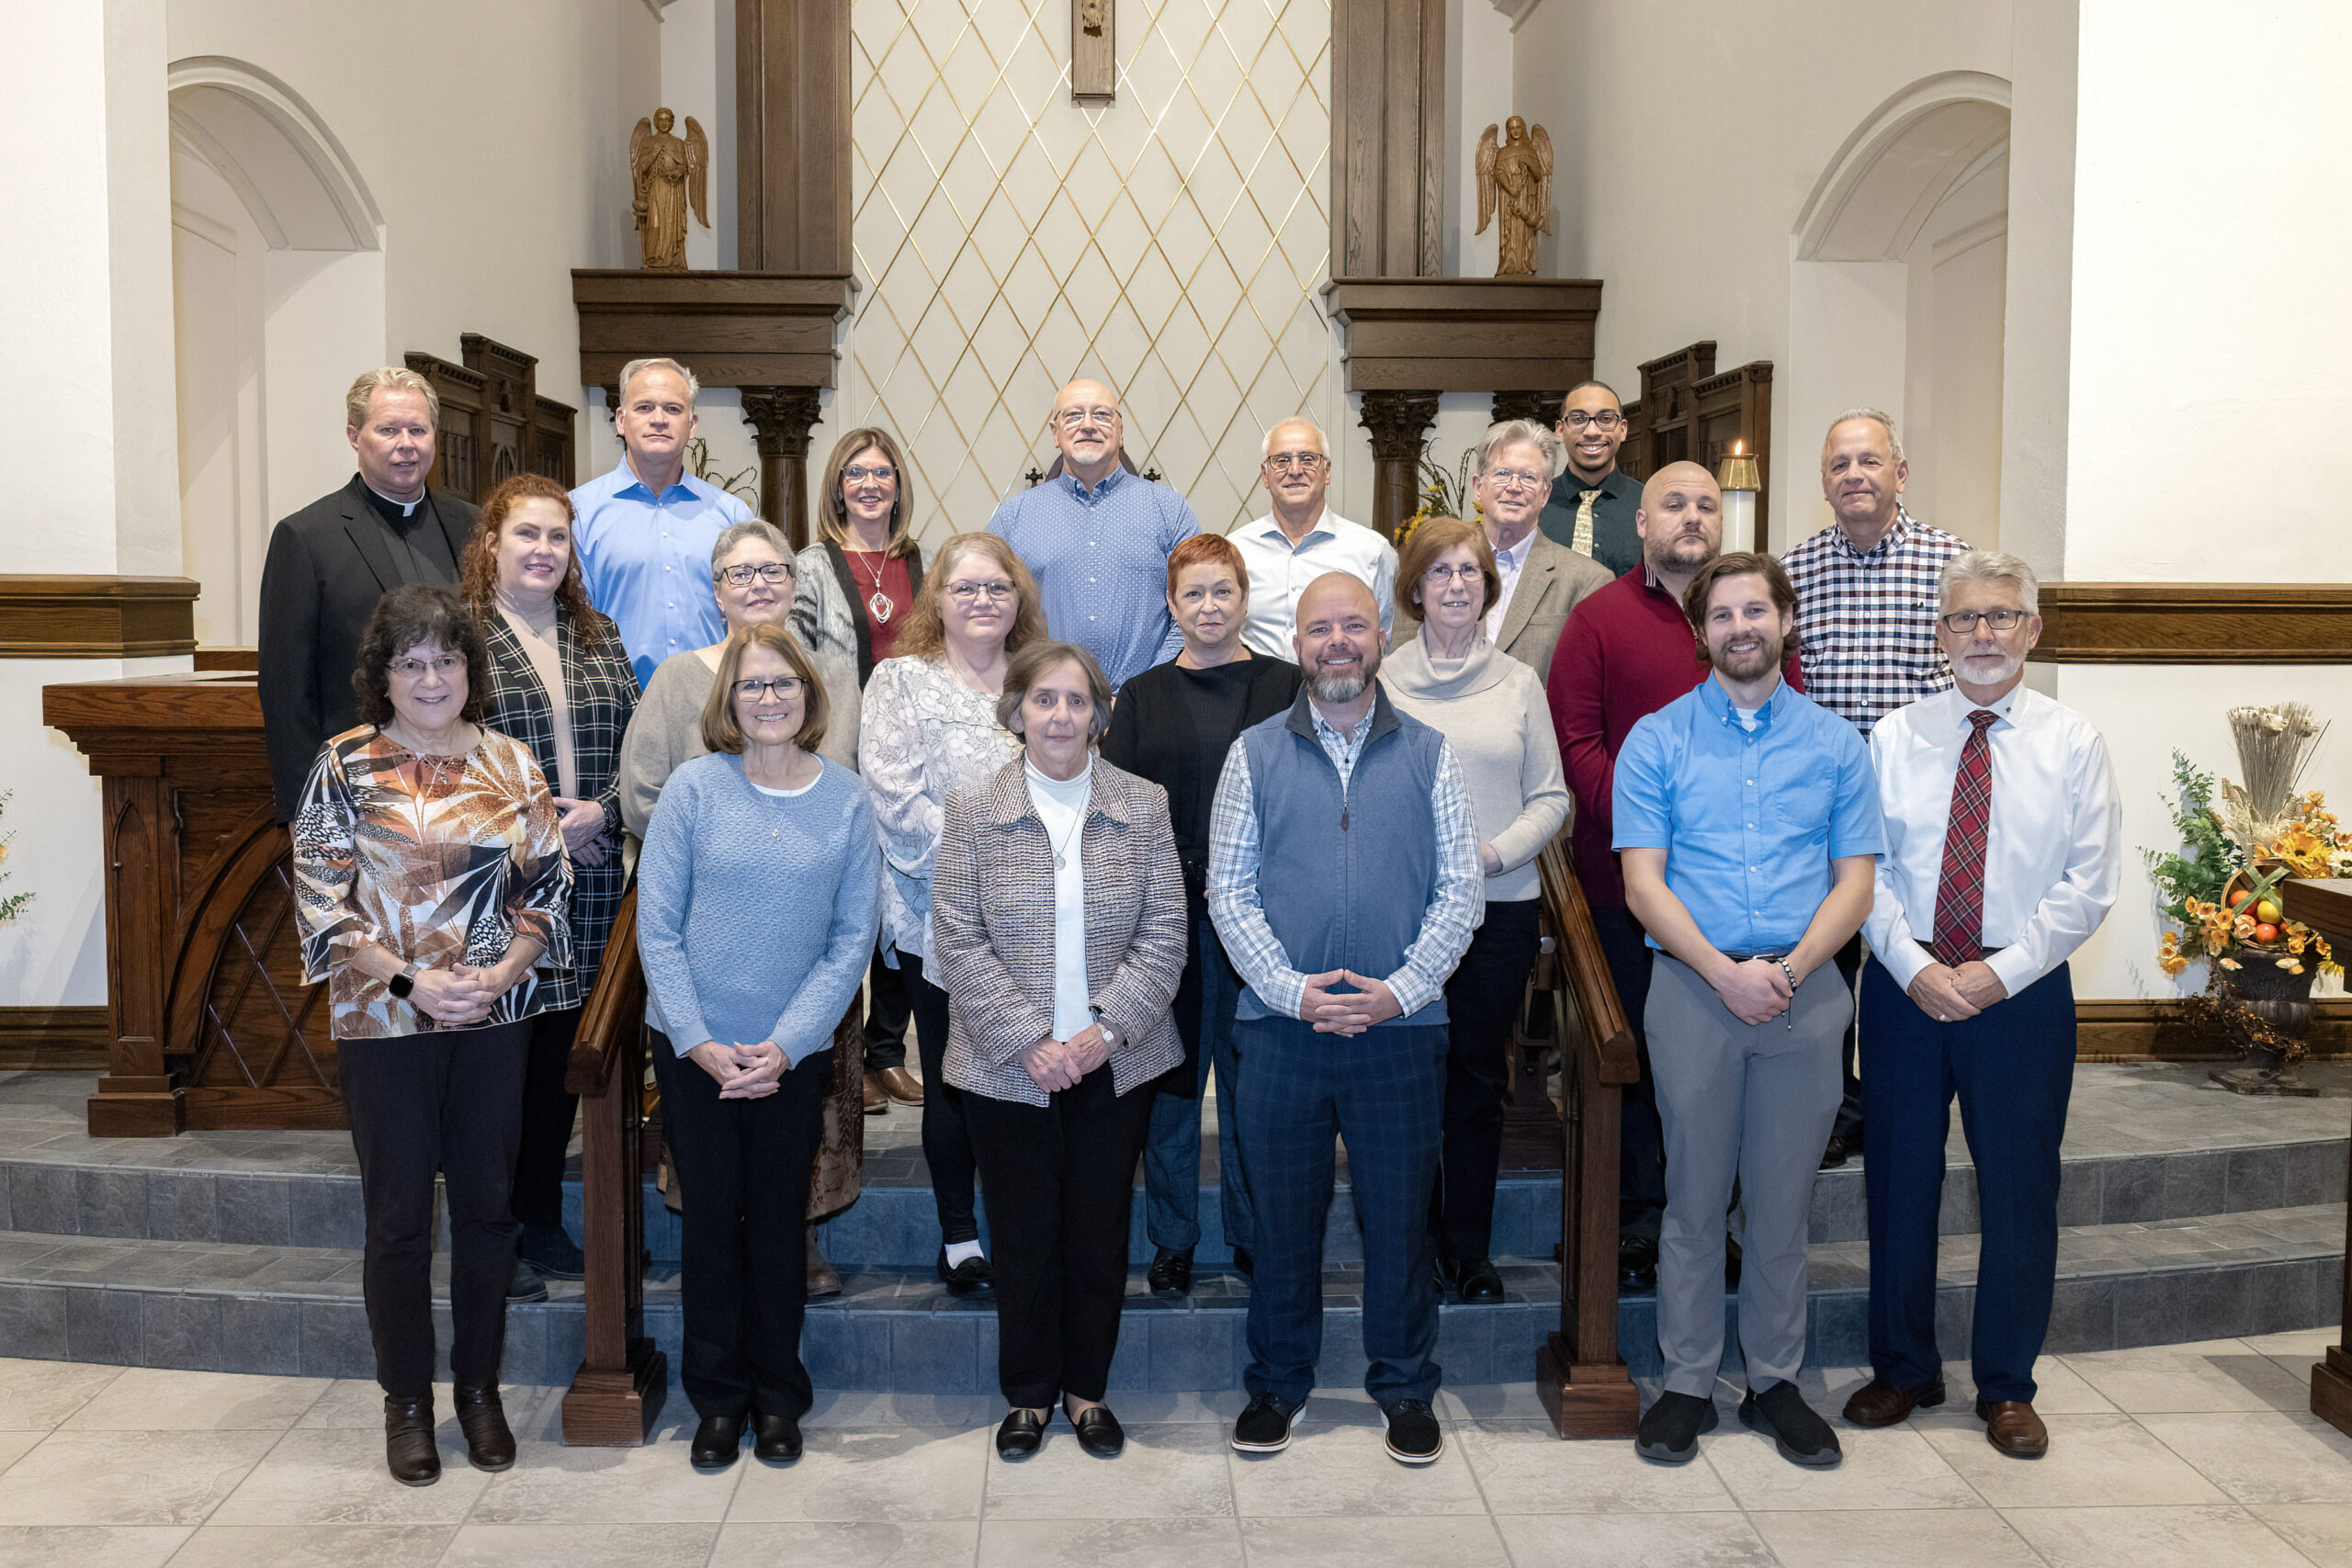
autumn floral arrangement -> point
(2220, 888)
(1443, 494)
(11, 904)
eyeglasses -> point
(1445, 573)
(413, 669)
(1297, 462)
(1600, 419)
(965, 593)
(782, 685)
(1078, 419)
(883, 475)
(766, 571)
(1517, 479)
(1959, 623)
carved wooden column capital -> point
(781, 418)
(1543, 408)
(1398, 422)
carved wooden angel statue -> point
(1516, 180)
(666, 172)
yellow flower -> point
(2231, 964)
(2172, 962)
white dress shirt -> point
(1280, 572)
(2053, 856)
(1509, 564)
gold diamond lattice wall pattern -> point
(1171, 243)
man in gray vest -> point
(1344, 880)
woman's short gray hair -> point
(1034, 659)
(1991, 565)
(1511, 432)
(751, 528)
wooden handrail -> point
(617, 1394)
(1579, 1374)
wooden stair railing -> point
(1579, 1374)
(617, 1394)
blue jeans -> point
(1383, 1091)
(1171, 1157)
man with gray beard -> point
(1345, 882)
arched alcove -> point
(1897, 285)
(279, 300)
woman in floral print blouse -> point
(432, 887)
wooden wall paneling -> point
(460, 441)
(2195, 623)
(1387, 138)
(792, 162)
(1094, 56)
(2132, 1030)
(94, 616)
(53, 1039)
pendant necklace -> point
(1062, 849)
(878, 603)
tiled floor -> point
(2196, 1455)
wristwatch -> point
(1111, 1036)
(401, 984)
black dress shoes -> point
(524, 1284)
(1099, 1432)
(1241, 1263)
(774, 1438)
(409, 1452)
(717, 1442)
(1733, 1257)
(551, 1253)
(1020, 1433)
(1637, 1263)
(1477, 1280)
(1835, 1153)
(967, 1277)
(490, 1443)
(1170, 1273)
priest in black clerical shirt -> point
(331, 561)
(1592, 506)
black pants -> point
(744, 1269)
(1482, 1001)
(1849, 1124)
(946, 1140)
(547, 1110)
(447, 1104)
(1061, 1182)
(1641, 1150)
(888, 1009)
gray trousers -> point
(1755, 1101)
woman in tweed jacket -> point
(1060, 962)
(560, 683)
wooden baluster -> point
(2327, 908)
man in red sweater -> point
(1626, 652)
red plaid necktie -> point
(1960, 895)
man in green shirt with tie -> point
(1592, 504)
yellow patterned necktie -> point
(1584, 523)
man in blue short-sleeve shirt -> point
(1747, 820)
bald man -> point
(1345, 883)
(1096, 537)
(1626, 652)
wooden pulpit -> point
(2327, 908)
(210, 1023)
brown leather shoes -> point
(878, 1102)
(901, 1085)
(824, 1279)
(1879, 1402)
(2012, 1426)
(481, 1416)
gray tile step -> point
(235, 1307)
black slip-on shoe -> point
(1099, 1432)
(1170, 1273)
(524, 1284)
(551, 1253)
(1264, 1425)
(1637, 1263)
(776, 1439)
(1780, 1414)
(1670, 1426)
(1479, 1281)
(717, 1442)
(1414, 1435)
(1019, 1434)
(969, 1278)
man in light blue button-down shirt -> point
(1747, 821)
(1096, 537)
(646, 530)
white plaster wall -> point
(2212, 206)
(1690, 133)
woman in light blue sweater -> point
(757, 898)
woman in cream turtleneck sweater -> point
(1491, 707)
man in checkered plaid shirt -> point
(1867, 592)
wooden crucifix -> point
(1093, 58)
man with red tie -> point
(2003, 852)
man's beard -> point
(1679, 554)
(1341, 689)
(1752, 666)
(1968, 666)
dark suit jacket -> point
(328, 565)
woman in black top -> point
(1174, 725)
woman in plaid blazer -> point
(1060, 963)
(561, 683)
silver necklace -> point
(880, 605)
(1062, 849)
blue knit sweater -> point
(755, 913)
